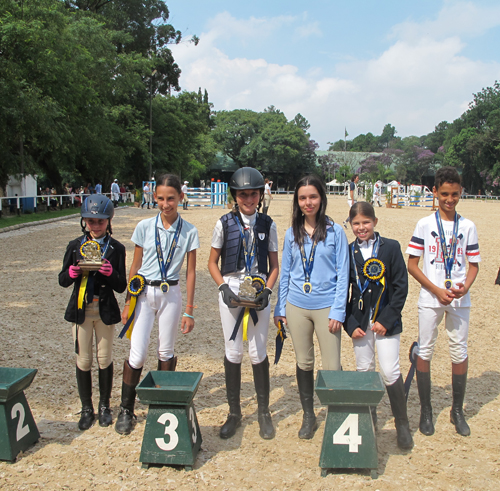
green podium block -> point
(18, 430)
(172, 434)
(349, 440)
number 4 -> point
(353, 439)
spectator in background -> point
(115, 193)
(185, 199)
(267, 195)
(98, 188)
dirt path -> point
(34, 334)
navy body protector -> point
(232, 257)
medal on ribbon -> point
(135, 287)
(374, 271)
(448, 254)
(164, 265)
(307, 265)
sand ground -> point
(34, 334)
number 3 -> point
(21, 430)
(350, 425)
(169, 430)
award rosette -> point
(91, 253)
(374, 269)
(135, 288)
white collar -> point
(366, 244)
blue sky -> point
(358, 64)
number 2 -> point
(21, 431)
(350, 425)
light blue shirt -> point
(98, 188)
(329, 277)
(144, 236)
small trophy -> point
(91, 253)
(250, 288)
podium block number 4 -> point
(169, 430)
(21, 431)
(353, 439)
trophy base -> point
(90, 266)
(244, 303)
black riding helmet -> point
(246, 178)
(97, 206)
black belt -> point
(159, 282)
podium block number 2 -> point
(353, 439)
(169, 430)
(21, 431)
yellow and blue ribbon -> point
(244, 315)
(280, 339)
(135, 288)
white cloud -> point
(420, 80)
(454, 19)
(308, 30)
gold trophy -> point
(91, 253)
(250, 289)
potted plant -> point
(138, 199)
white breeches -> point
(257, 334)
(388, 355)
(456, 324)
(166, 307)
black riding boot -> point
(397, 397)
(105, 386)
(261, 381)
(424, 392)
(87, 416)
(305, 381)
(167, 366)
(459, 383)
(233, 385)
(125, 420)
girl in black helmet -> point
(247, 244)
(93, 307)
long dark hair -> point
(298, 218)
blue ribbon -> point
(164, 265)
(249, 255)
(448, 258)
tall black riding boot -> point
(84, 382)
(167, 366)
(397, 397)
(459, 383)
(125, 420)
(424, 392)
(305, 381)
(105, 386)
(261, 381)
(233, 386)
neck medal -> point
(308, 265)
(448, 254)
(248, 250)
(373, 269)
(164, 265)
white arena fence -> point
(215, 195)
(17, 204)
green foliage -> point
(266, 141)
(76, 82)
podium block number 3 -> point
(353, 439)
(169, 430)
(21, 431)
